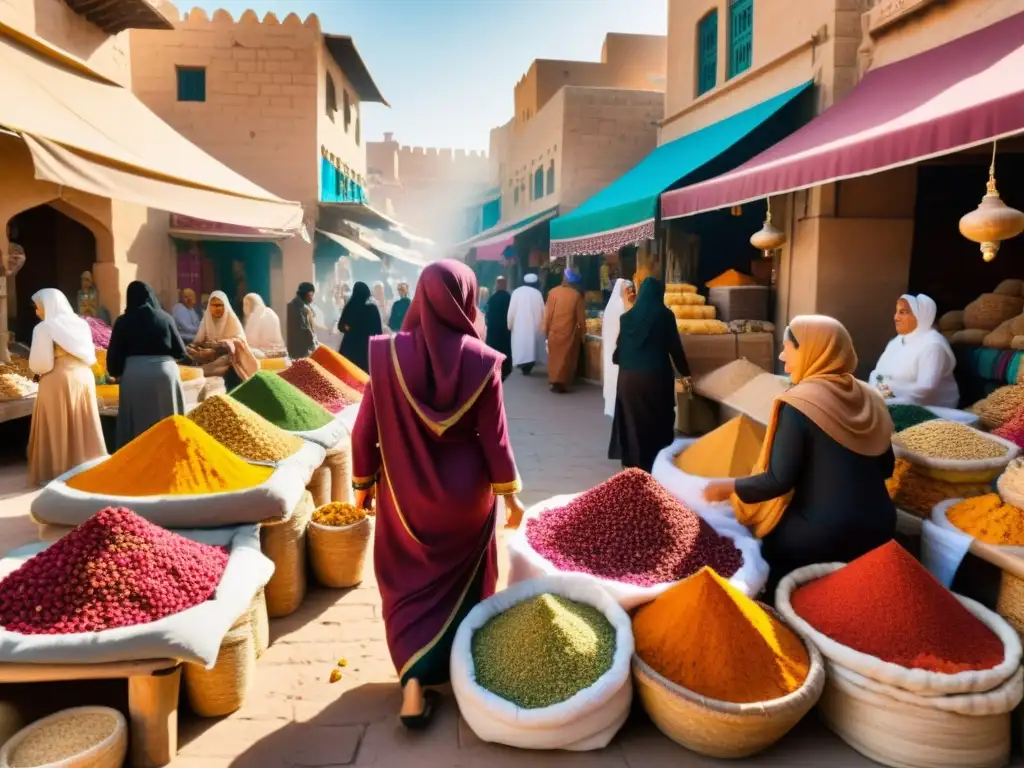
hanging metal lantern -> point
(769, 238)
(993, 220)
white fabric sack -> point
(58, 504)
(193, 635)
(526, 563)
(588, 720)
(347, 417)
(326, 436)
(689, 489)
(304, 461)
(942, 551)
(923, 682)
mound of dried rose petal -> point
(114, 570)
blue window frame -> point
(551, 178)
(741, 36)
(191, 83)
(538, 184)
(515, 196)
(707, 53)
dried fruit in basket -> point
(988, 519)
(885, 604)
(243, 431)
(338, 514)
(114, 570)
(322, 387)
(630, 529)
(173, 457)
(543, 651)
(708, 637)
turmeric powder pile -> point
(174, 457)
(988, 519)
(729, 451)
(731, 278)
(918, 494)
(708, 637)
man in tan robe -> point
(565, 321)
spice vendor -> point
(647, 350)
(220, 344)
(359, 321)
(144, 348)
(66, 429)
(431, 444)
(917, 366)
(609, 333)
(262, 328)
(817, 492)
(565, 320)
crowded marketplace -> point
(684, 424)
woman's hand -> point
(513, 511)
(365, 498)
(719, 491)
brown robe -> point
(565, 319)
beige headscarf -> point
(825, 391)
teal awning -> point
(624, 212)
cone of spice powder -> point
(326, 389)
(885, 604)
(340, 366)
(281, 404)
(710, 638)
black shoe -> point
(420, 722)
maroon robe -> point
(433, 436)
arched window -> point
(551, 178)
(347, 107)
(331, 97)
(538, 184)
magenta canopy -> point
(961, 94)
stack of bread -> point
(692, 313)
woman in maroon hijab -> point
(431, 440)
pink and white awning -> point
(958, 95)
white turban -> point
(530, 279)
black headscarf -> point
(143, 329)
(355, 306)
(305, 288)
(360, 320)
(648, 339)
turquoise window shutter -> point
(707, 53)
(538, 184)
(191, 83)
(741, 36)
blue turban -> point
(571, 275)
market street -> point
(294, 717)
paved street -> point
(294, 717)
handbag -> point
(694, 414)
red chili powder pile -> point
(313, 380)
(887, 605)
(341, 367)
(632, 530)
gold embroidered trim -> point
(394, 498)
(437, 427)
(503, 489)
(437, 638)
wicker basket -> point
(109, 753)
(260, 623)
(284, 543)
(338, 554)
(339, 464)
(220, 691)
(319, 485)
(904, 735)
(720, 728)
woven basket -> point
(339, 464)
(319, 485)
(285, 544)
(904, 735)
(220, 691)
(720, 728)
(109, 753)
(338, 554)
(260, 623)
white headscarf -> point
(609, 337)
(228, 327)
(262, 325)
(899, 360)
(60, 326)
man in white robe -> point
(525, 317)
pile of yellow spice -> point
(338, 514)
(988, 519)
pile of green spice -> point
(281, 404)
(543, 651)
(907, 416)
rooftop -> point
(115, 16)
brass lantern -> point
(993, 220)
(769, 238)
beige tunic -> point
(565, 319)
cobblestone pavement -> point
(293, 717)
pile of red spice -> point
(630, 529)
(114, 570)
(315, 382)
(887, 605)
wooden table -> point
(153, 688)
(17, 409)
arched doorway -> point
(57, 251)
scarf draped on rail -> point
(825, 391)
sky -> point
(448, 67)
